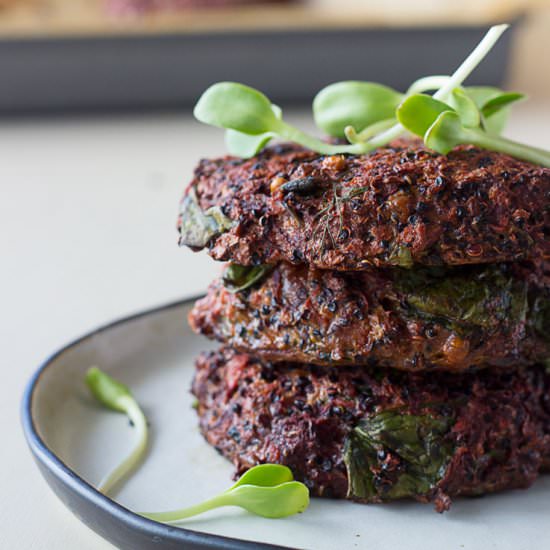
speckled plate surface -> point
(75, 442)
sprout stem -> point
(297, 136)
(117, 397)
(132, 461)
(184, 513)
(427, 83)
(368, 132)
(456, 79)
(255, 120)
(472, 61)
(512, 148)
(267, 490)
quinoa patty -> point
(400, 205)
(379, 435)
(426, 318)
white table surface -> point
(87, 234)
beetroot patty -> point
(421, 319)
(400, 205)
(378, 435)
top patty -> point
(397, 206)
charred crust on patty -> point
(400, 205)
(451, 319)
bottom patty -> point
(378, 435)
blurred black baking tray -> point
(171, 70)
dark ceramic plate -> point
(75, 443)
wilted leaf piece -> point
(463, 300)
(392, 455)
(240, 277)
(198, 227)
(401, 256)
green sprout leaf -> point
(280, 501)
(109, 392)
(499, 102)
(264, 475)
(352, 103)
(445, 133)
(116, 396)
(481, 94)
(371, 115)
(446, 85)
(466, 108)
(236, 107)
(266, 490)
(419, 111)
(240, 277)
(494, 121)
(245, 145)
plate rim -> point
(70, 481)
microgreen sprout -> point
(247, 111)
(117, 397)
(443, 127)
(371, 115)
(267, 490)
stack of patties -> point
(384, 318)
